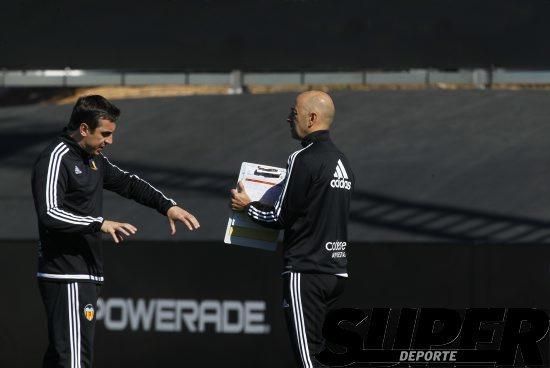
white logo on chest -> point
(77, 171)
(341, 176)
(338, 248)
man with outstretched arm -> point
(313, 210)
(67, 185)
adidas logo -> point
(341, 176)
(77, 171)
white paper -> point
(260, 183)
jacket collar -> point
(67, 139)
(317, 136)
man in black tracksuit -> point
(67, 184)
(313, 210)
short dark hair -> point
(89, 109)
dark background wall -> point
(274, 34)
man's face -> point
(95, 141)
(298, 119)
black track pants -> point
(70, 310)
(307, 299)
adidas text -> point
(340, 183)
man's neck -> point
(75, 135)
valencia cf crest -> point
(92, 165)
(89, 312)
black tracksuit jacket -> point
(67, 187)
(313, 208)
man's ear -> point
(84, 129)
(312, 119)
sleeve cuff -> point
(166, 206)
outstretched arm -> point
(133, 187)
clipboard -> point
(261, 182)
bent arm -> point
(291, 199)
(49, 184)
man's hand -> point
(239, 198)
(118, 230)
(176, 213)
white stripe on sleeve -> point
(52, 208)
(273, 215)
(137, 177)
